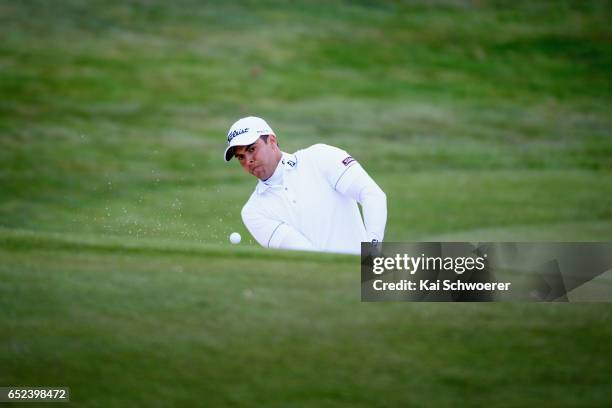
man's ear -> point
(272, 138)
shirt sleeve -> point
(333, 163)
(271, 233)
(357, 184)
(287, 237)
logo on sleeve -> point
(348, 161)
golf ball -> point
(235, 238)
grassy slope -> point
(480, 122)
(120, 131)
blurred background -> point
(481, 120)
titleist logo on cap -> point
(235, 133)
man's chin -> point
(259, 173)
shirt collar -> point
(288, 162)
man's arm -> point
(347, 177)
(270, 233)
(358, 185)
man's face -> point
(260, 158)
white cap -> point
(245, 132)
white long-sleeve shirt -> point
(310, 203)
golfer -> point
(306, 200)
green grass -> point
(480, 120)
(139, 326)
